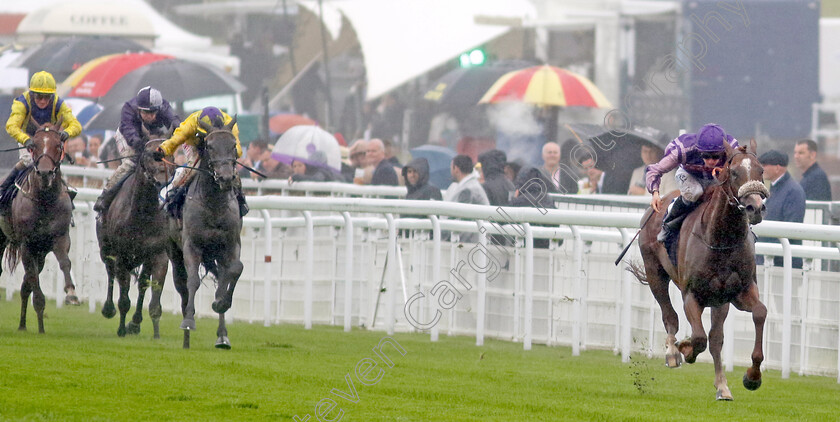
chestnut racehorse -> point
(715, 265)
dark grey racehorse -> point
(210, 231)
(38, 222)
(133, 233)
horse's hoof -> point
(673, 360)
(121, 332)
(22, 328)
(723, 395)
(72, 300)
(220, 306)
(751, 385)
(188, 324)
(133, 328)
(108, 310)
(223, 343)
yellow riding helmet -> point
(42, 83)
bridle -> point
(147, 173)
(748, 188)
(56, 163)
(212, 164)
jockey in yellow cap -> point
(190, 134)
(41, 104)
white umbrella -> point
(310, 145)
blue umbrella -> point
(440, 159)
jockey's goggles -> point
(711, 155)
(40, 96)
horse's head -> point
(47, 151)
(743, 182)
(219, 152)
(153, 170)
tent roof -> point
(401, 40)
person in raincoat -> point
(42, 104)
(190, 134)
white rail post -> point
(803, 328)
(529, 286)
(348, 270)
(435, 271)
(626, 306)
(768, 263)
(482, 285)
(787, 307)
(392, 265)
(267, 269)
(576, 290)
(310, 251)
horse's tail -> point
(636, 269)
(12, 256)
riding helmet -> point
(711, 138)
(149, 99)
(42, 83)
(212, 116)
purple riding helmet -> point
(711, 138)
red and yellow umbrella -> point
(99, 79)
(546, 86)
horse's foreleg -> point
(715, 345)
(191, 262)
(748, 301)
(658, 281)
(179, 276)
(25, 291)
(697, 344)
(33, 267)
(158, 265)
(222, 341)
(108, 309)
(61, 250)
(133, 326)
(227, 284)
(124, 302)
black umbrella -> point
(618, 152)
(61, 56)
(463, 87)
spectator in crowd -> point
(651, 155)
(302, 172)
(391, 153)
(416, 174)
(512, 169)
(272, 168)
(598, 180)
(355, 171)
(253, 156)
(532, 192)
(76, 147)
(786, 201)
(109, 151)
(383, 173)
(497, 187)
(465, 188)
(551, 163)
(814, 181)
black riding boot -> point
(105, 198)
(674, 218)
(243, 206)
(6, 185)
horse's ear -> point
(205, 126)
(753, 146)
(727, 147)
(230, 125)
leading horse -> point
(38, 221)
(211, 230)
(715, 265)
(133, 233)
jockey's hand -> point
(64, 135)
(29, 144)
(158, 154)
(655, 202)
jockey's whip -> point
(252, 170)
(115, 159)
(11, 149)
(627, 248)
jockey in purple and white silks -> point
(697, 155)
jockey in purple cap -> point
(697, 155)
(190, 134)
(148, 109)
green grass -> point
(80, 370)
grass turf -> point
(80, 370)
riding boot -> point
(112, 186)
(243, 206)
(104, 200)
(7, 184)
(674, 218)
